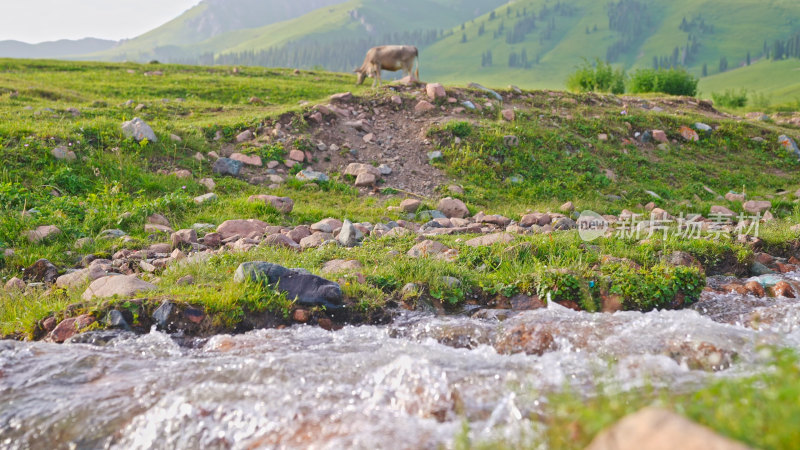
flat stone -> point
(138, 130)
(73, 279)
(427, 248)
(122, 285)
(245, 136)
(365, 180)
(756, 206)
(423, 106)
(42, 233)
(242, 228)
(250, 160)
(311, 175)
(200, 199)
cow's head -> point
(361, 75)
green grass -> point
(115, 184)
(769, 85)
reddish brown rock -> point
(755, 288)
(241, 228)
(298, 233)
(782, 289)
(522, 302)
(70, 327)
(301, 315)
(435, 91)
(297, 155)
(423, 106)
(660, 136)
(281, 240)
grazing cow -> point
(388, 57)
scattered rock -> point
(734, 197)
(567, 207)
(434, 155)
(187, 280)
(756, 206)
(689, 134)
(452, 207)
(138, 130)
(250, 160)
(184, 238)
(70, 327)
(722, 211)
(427, 248)
(72, 279)
(42, 271)
(122, 285)
(63, 153)
(789, 144)
(410, 205)
(245, 136)
(15, 284)
(42, 233)
(489, 239)
(435, 91)
(508, 114)
(660, 136)
(281, 240)
(365, 180)
(311, 175)
(384, 169)
(348, 235)
(210, 197)
(306, 288)
(242, 228)
(227, 166)
(423, 106)
(342, 97)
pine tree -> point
(705, 69)
(748, 58)
(464, 38)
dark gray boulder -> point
(307, 289)
(227, 166)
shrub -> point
(730, 99)
(597, 77)
(668, 81)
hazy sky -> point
(48, 20)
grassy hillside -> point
(768, 84)
(115, 183)
(563, 37)
(208, 19)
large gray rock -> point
(227, 166)
(311, 175)
(122, 285)
(307, 289)
(349, 235)
(139, 130)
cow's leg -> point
(378, 76)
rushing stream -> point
(410, 384)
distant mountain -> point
(55, 49)
(208, 19)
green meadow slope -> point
(767, 83)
